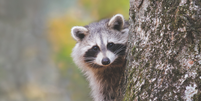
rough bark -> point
(164, 51)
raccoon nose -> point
(106, 61)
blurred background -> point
(35, 47)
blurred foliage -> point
(84, 12)
(105, 8)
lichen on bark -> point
(164, 50)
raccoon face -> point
(102, 43)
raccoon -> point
(100, 54)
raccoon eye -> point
(95, 48)
(110, 45)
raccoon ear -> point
(78, 33)
(116, 22)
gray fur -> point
(104, 79)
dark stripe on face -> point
(118, 49)
(103, 48)
(91, 54)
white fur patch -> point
(84, 49)
(114, 40)
(99, 58)
(122, 40)
(105, 40)
(98, 41)
(111, 56)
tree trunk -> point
(164, 51)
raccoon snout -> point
(106, 61)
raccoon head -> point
(100, 44)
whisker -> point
(122, 48)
